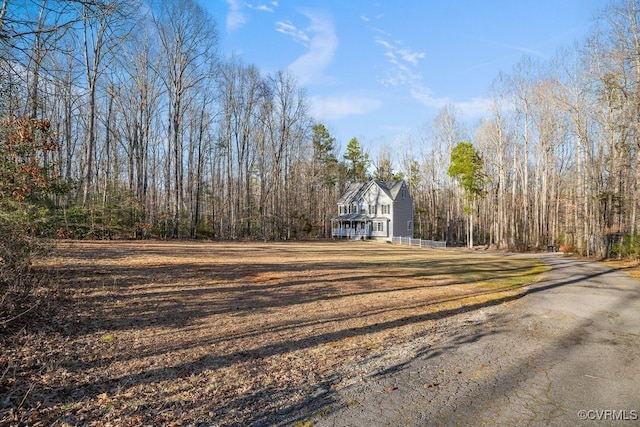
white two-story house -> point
(374, 210)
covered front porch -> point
(352, 226)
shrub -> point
(25, 181)
(627, 246)
(566, 249)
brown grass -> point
(631, 267)
(181, 333)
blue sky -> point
(381, 70)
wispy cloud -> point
(236, 16)
(404, 64)
(320, 39)
(529, 51)
(404, 71)
(341, 106)
(288, 29)
(411, 57)
(260, 7)
(523, 49)
(396, 53)
(263, 7)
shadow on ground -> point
(216, 341)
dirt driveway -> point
(566, 354)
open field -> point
(186, 333)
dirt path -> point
(568, 353)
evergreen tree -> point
(358, 161)
(467, 169)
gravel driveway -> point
(566, 354)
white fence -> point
(419, 242)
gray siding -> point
(402, 215)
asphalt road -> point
(565, 354)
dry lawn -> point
(631, 267)
(184, 333)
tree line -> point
(559, 151)
(157, 135)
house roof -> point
(356, 190)
(353, 192)
(351, 217)
(394, 188)
(358, 217)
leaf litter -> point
(191, 333)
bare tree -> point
(188, 40)
(448, 130)
(103, 28)
(287, 125)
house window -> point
(409, 225)
(386, 209)
(373, 209)
(379, 226)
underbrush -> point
(25, 300)
(24, 290)
(29, 298)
